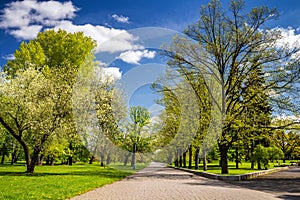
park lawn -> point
(244, 167)
(55, 182)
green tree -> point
(228, 46)
(37, 90)
(139, 119)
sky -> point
(114, 25)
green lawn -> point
(244, 168)
(57, 182)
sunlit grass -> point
(244, 167)
(54, 182)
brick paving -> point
(160, 182)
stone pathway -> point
(159, 182)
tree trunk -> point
(108, 159)
(70, 160)
(224, 161)
(52, 160)
(204, 161)
(190, 156)
(197, 158)
(34, 160)
(41, 159)
(91, 160)
(176, 159)
(184, 159)
(48, 159)
(13, 156)
(133, 161)
(102, 160)
(251, 153)
(180, 160)
(237, 160)
(258, 165)
(126, 159)
(3, 158)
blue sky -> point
(103, 19)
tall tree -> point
(36, 95)
(229, 46)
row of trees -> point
(227, 80)
(241, 71)
(37, 106)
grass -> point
(244, 168)
(56, 182)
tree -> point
(37, 89)
(139, 119)
(228, 47)
(287, 141)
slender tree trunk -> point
(180, 160)
(251, 154)
(3, 158)
(70, 160)
(41, 159)
(108, 158)
(258, 165)
(176, 159)
(133, 162)
(197, 158)
(91, 160)
(126, 159)
(102, 160)
(184, 159)
(52, 160)
(224, 159)
(14, 156)
(190, 156)
(204, 161)
(48, 160)
(237, 160)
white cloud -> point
(9, 57)
(133, 57)
(120, 18)
(24, 19)
(289, 37)
(26, 32)
(108, 39)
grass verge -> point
(55, 182)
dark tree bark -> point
(224, 158)
(180, 160)
(237, 160)
(3, 157)
(91, 160)
(184, 159)
(190, 156)
(70, 160)
(52, 160)
(197, 158)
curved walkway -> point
(159, 182)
